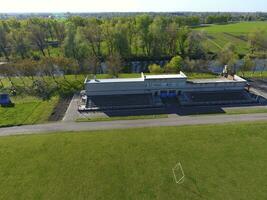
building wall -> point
(155, 86)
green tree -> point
(247, 64)
(174, 66)
(182, 37)
(93, 34)
(143, 22)
(172, 38)
(38, 36)
(257, 40)
(4, 42)
(229, 57)
(155, 69)
(20, 43)
(195, 49)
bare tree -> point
(114, 63)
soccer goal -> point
(178, 173)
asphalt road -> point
(87, 126)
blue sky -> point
(131, 5)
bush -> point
(155, 69)
(174, 66)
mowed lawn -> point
(27, 110)
(219, 162)
(236, 33)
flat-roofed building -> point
(156, 90)
(160, 84)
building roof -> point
(165, 76)
(141, 79)
(115, 80)
(218, 80)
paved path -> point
(86, 126)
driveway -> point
(124, 124)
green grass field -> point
(236, 33)
(219, 162)
(27, 110)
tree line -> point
(90, 41)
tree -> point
(93, 65)
(174, 66)
(247, 64)
(114, 64)
(143, 22)
(195, 49)
(27, 68)
(257, 40)
(182, 37)
(155, 69)
(121, 42)
(65, 65)
(37, 36)
(7, 70)
(20, 43)
(172, 37)
(228, 57)
(59, 31)
(93, 34)
(157, 36)
(75, 47)
(4, 43)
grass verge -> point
(121, 118)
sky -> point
(132, 5)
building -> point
(158, 87)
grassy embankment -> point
(237, 34)
(27, 110)
(219, 162)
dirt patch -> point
(60, 109)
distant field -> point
(219, 162)
(27, 110)
(237, 33)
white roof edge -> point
(238, 78)
(86, 80)
(183, 74)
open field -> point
(27, 110)
(236, 33)
(219, 161)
